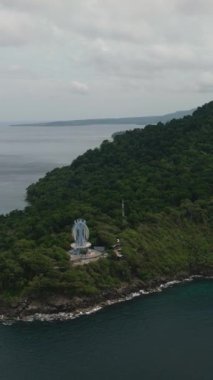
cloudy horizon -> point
(77, 59)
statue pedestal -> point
(80, 249)
(76, 246)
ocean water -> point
(166, 336)
(27, 153)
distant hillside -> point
(123, 120)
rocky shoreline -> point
(64, 310)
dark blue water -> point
(167, 336)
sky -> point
(76, 59)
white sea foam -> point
(65, 316)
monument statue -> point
(81, 254)
(80, 233)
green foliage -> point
(163, 173)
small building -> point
(117, 249)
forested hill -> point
(163, 173)
(158, 167)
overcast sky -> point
(68, 59)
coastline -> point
(84, 311)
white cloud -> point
(101, 47)
(204, 83)
(14, 28)
(78, 88)
(192, 8)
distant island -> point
(146, 197)
(124, 120)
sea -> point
(27, 153)
(161, 336)
(166, 336)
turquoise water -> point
(166, 336)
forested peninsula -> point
(163, 173)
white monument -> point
(80, 233)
